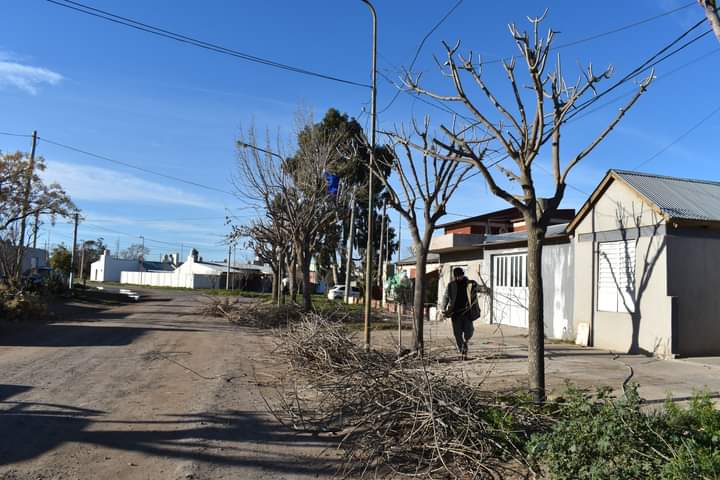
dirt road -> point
(143, 391)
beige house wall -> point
(621, 213)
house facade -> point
(109, 269)
(646, 250)
(196, 273)
(492, 250)
(635, 268)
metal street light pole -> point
(370, 243)
(247, 145)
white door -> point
(510, 291)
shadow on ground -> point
(30, 429)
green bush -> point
(599, 437)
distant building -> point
(195, 273)
(108, 268)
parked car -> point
(338, 292)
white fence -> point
(170, 279)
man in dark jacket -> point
(461, 304)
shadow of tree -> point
(632, 283)
(31, 429)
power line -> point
(657, 58)
(680, 138)
(606, 33)
(558, 47)
(419, 48)
(128, 22)
(136, 167)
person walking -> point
(460, 303)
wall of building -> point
(108, 269)
(558, 271)
(621, 214)
(693, 280)
(472, 262)
(172, 279)
(34, 258)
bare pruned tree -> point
(533, 124)
(269, 241)
(260, 183)
(309, 209)
(425, 183)
(293, 191)
(711, 12)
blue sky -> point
(177, 109)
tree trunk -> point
(292, 278)
(710, 7)
(419, 299)
(305, 258)
(334, 270)
(275, 285)
(536, 334)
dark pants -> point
(463, 331)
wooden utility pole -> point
(26, 206)
(72, 254)
(141, 259)
(227, 276)
(36, 225)
(382, 246)
(349, 250)
(82, 261)
(381, 257)
(399, 236)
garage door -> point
(510, 291)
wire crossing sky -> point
(138, 104)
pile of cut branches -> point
(398, 417)
(247, 313)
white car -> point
(338, 292)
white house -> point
(108, 268)
(195, 273)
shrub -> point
(599, 437)
(18, 305)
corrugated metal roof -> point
(431, 258)
(680, 198)
(557, 230)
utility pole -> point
(381, 260)
(381, 257)
(349, 250)
(82, 261)
(72, 254)
(26, 205)
(399, 236)
(141, 259)
(36, 226)
(227, 277)
(373, 121)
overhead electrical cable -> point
(161, 32)
(136, 167)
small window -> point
(616, 276)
